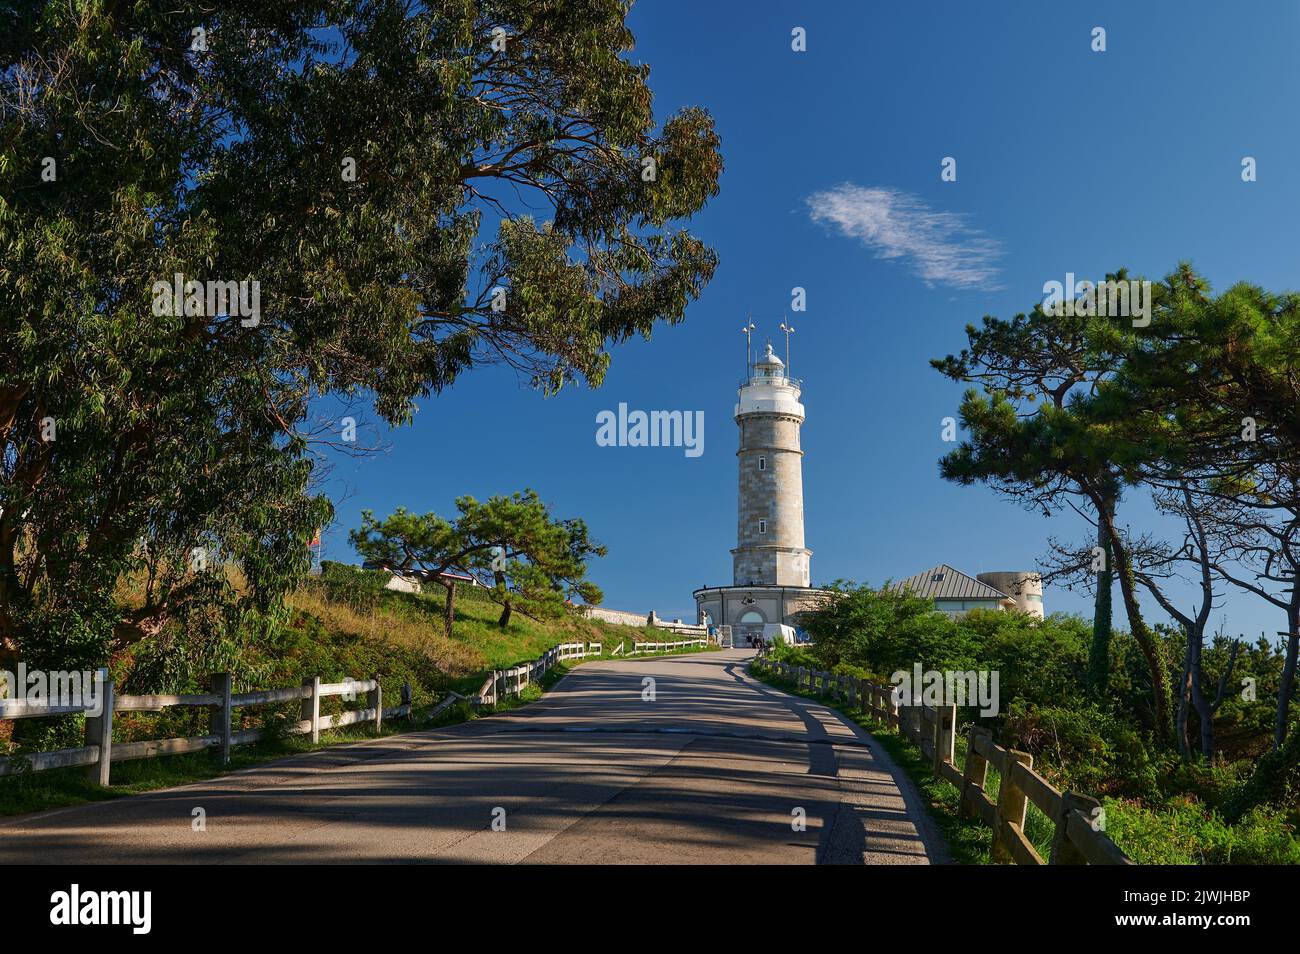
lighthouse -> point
(771, 565)
(769, 514)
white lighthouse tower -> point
(769, 522)
(771, 566)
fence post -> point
(376, 702)
(976, 773)
(1064, 851)
(99, 731)
(944, 722)
(1012, 805)
(311, 707)
(220, 716)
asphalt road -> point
(715, 769)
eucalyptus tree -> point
(211, 215)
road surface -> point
(716, 769)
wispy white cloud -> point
(939, 246)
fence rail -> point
(1077, 839)
(503, 683)
(99, 752)
(639, 648)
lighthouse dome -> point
(769, 364)
(769, 390)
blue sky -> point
(1067, 160)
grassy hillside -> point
(345, 604)
(340, 624)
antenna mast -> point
(789, 330)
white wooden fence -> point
(510, 682)
(99, 752)
(639, 648)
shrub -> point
(1086, 749)
(1184, 833)
(1275, 781)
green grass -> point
(351, 603)
(341, 624)
(1178, 832)
(969, 840)
(59, 788)
(1184, 832)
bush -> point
(1184, 833)
(1084, 749)
(359, 589)
(1275, 781)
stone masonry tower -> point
(769, 531)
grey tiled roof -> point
(944, 583)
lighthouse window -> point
(762, 526)
(762, 463)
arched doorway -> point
(748, 628)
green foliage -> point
(1184, 833)
(1276, 781)
(1160, 808)
(230, 163)
(885, 631)
(358, 589)
(1084, 748)
(524, 557)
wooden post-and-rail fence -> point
(640, 648)
(1078, 839)
(511, 682)
(99, 751)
